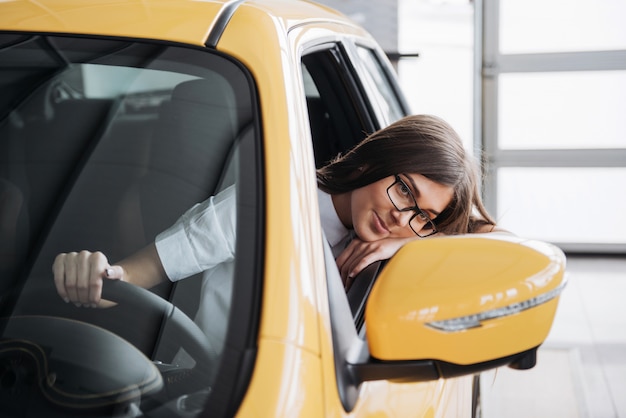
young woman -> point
(408, 181)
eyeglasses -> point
(404, 201)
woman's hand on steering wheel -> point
(78, 277)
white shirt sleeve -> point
(201, 238)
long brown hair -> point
(419, 144)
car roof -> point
(186, 21)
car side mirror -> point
(451, 306)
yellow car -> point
(117, 116)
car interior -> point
(103, 153)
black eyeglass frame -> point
(415, 208)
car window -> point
(343, 109)
(379, 86)
(104, 144)
(338, 113)
(341, 114)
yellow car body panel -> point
(133, 19)
(292, 302)
(171, 20)
(299, 393)
(295, 308)
(288, 172)
(514, 271)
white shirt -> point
(337, 235)
(203, 240)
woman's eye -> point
(423, 217)
(404, 189)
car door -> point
(350, 92)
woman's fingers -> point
(364, 254)
(95, 266)
(345, 262)
(114, 272)
(58, 269)
(349, 260)
(83, 277)
(78, 276)
(360, 254)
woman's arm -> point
(78, 276)
(360, 254)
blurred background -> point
(537, 90)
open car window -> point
(343, 109)
(338, 115)
(104, 144)
(380, 86)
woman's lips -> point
(379, 225)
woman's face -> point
(375, 217)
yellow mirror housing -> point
(465, 299)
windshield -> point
(104, 145)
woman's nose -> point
(402, 218)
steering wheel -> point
(72, 337)
(178, 326)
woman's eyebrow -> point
(416, 192)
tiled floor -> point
(581, 368)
